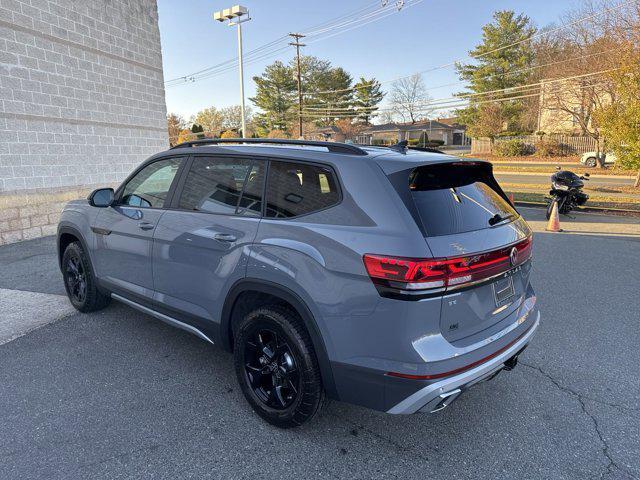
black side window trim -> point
(303, 162)
(175, 201)
(170, 194)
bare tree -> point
(572, 89)
(408, 96)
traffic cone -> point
(511, 200)
(554, 219)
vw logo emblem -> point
(513, 256)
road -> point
(117, 394)
(545, 179)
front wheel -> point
(591, 162)
(79, 281)
(277, 368)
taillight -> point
(440, 273)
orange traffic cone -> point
(554, 219)
(511, 200)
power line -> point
(272, 47)
(471, 96)
(503, 47)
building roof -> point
(404, 127)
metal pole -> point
(244, 129)
(297, 44)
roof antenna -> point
(400, 146)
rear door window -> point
(230, 186)
(456, 198)
(295, 189)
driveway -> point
(117, 394)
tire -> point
(277, 368)
(80, 282)
(591, 162)
(549, 207)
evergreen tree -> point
(367, 95)
(275, 96)
(498, 68)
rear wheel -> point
(277, 368)
(79, 281)
(591, 162)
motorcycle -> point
(566, 190)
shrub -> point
(512, 148)
(229, 134)
(377, 141)
(434, 143)
(548, 147)
(275, 133)
(413, 141)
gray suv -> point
(389, 278)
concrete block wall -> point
(81, 103)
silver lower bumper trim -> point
(440, 394)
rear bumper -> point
(439, 395)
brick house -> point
(82, 103)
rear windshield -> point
(457, 198)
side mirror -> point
(586, 175)
(102, 197)
(557, 167)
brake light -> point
(430, 273)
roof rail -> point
(403, 146)
(333, 147)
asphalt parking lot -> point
(118, 394)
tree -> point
(407, 96)
(175, 123)
(367, 95)
(497, 68)
(620, 120)
(348, 128)
(210, 119)
(232, 117)
(229, 134)
(185, 136)
(275, 96)
(573, 90)
(330, 91)
(198, 130)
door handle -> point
(225, 237)
(146, 225)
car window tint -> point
(150, 186)
(296, 189)
(221, 185)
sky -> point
(422, 35)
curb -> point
(605, 210)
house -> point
(567, 106)
(445, 130)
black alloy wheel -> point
(79, 280)
(76, 278)
(271, 369)
(276, 366)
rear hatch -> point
(481, 246)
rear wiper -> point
(497, 218)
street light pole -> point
(237, 15)
(244, 127)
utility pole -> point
(297, 44)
